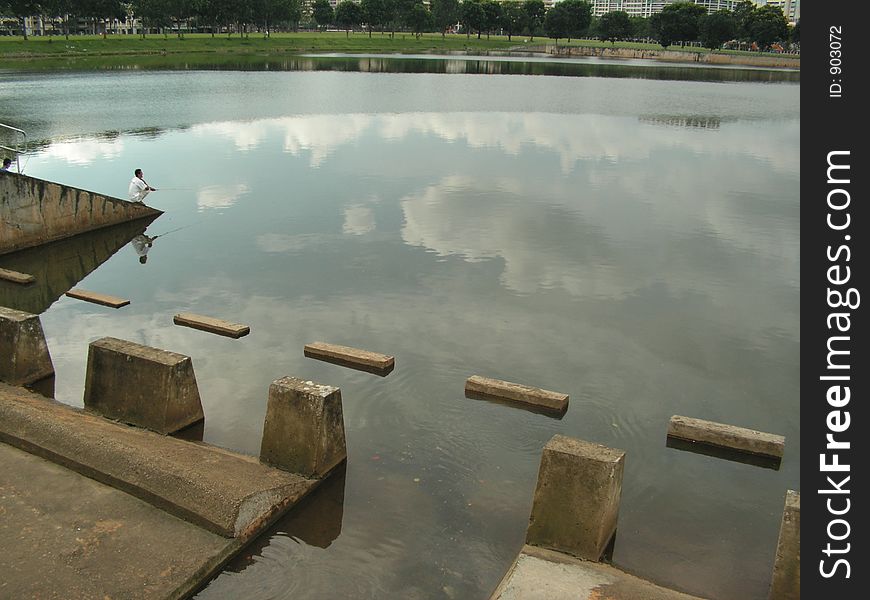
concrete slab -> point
(67, 536)
(212, 325)
(16, 277)
(485, 387)
(24, 356)
(540, 574)
(225, 492)
(98, 298)
(786, 581)
(364, 360)
(726, 436)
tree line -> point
(680, 22)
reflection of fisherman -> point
(142, 244)
(138, 187)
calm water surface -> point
(631, 241)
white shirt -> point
(138, 190)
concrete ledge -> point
(140, 385)
(363, 360)
(24, 357)
(222, 491)
(576, 502)
(726, 436)
(35, 211)
(786, 582)
(546, 575)
(484, 387)
(212, 325)
(304, 428)
(97, 298)
(16, 277)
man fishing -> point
(139, 188)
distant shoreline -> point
(17, 52)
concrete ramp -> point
(34, 211)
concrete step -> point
(225, 492)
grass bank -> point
(12, 48)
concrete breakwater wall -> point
(34, 211)
(782, 61)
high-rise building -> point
(790, 8)
(646, 8)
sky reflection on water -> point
(641, 256)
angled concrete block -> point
(24, 356)
(576, 501)
(786, 582)
(304, 429)
(140, 385)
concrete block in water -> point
(140, 385)
(304, 429)
(97, 298)
(786, 583)
(477, 386)
(16, 277)
(726, 436)
(212, 325)
(351, 357)
(577, 496)
(24, 356)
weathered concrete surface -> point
(304, 429)
(786, 582)
(34, 211)
(60, 265)
(140, 385)
(24, 356)
(212, 325)
(540, 574)
(576, 502)
(726, 436)
(485, 387)
(365, 360)
(67, 536)
(16, 277)
(227, 493)
(98, 298)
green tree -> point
(216, 13)
(377, 13)
(640, 28)
(796, 33)
(348, 14)
(767, 25)
(578, 17)
(444, 14)
(677, 22)
(491, 16)
(21, 9)
(556, 22)
(535, 12)
(322, 12)
(717, 28)
(614, 25)
(472, 17)
(179, 10)
(418, 18)
(513, 17)
(742, 17)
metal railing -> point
(18, 150)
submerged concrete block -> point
(16, 277)
(576, 501)
(304, 429)
(726, 436)
(97, 298)
(484, 387)
(24, 356)
(786, 582)
(212, 325)
(374, 362)
(140, 385)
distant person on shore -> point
(142, 244)
(7, 164)
(139, 188)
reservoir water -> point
(624, 233)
